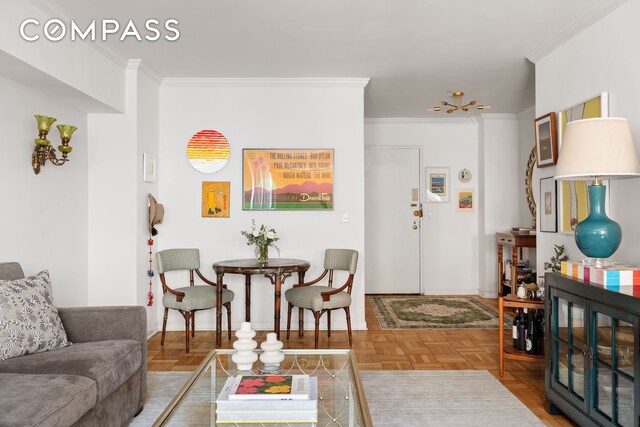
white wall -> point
(499, 154)
(148, 141)
(450, 239)
(43, 224)
(599, 59)
(527, 140)
(74, 70)
(304, 113)
(118, 197)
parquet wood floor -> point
(378, 349)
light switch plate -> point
(345, 216)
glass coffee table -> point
(341, 398)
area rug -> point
(434, 312)
(396, 398)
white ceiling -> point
(414, 51)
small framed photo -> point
(548, 205)
(215, 199)
(437, 184)
(546, 140)
(149, 168)
(466, 202)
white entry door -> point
(392, 231)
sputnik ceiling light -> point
(458, 105)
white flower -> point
(256, 233)
(271, 234)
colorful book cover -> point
(248, 387)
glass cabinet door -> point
(612, 352)
(569, 347)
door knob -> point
(415, 226)
(418, 213)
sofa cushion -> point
(44, 400)
(108, 363)
(29, 321)
(10, 271)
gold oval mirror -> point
(528, 185)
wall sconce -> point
(43, 150)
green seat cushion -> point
(196, 298)
(310, 297)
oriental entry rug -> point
(434, 312)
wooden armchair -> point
(187, 300)
(321, 299)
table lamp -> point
(597, 149)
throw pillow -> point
(29, 321)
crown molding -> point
(264, 82)
(416, 121)
(527, 111)
(54, 10)
(580, 23)
(499, 116)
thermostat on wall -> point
(464, 175)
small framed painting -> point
(215, 199)
(149, 168)
(437, 184)
(549, 205)
(546, 140)
(465, 200)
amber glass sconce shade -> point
(43, 150)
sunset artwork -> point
(277, 179)
(208, 151)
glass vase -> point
(262, 255)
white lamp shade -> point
(597, 147)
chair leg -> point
(228, 307)
(164, 325)
(348, 313)
(329, 323)
(316, 315)
(186, 315)
(193, 324)
(289, 308)
(300, 322)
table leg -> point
(219, 277)
(247, 297)
(501, 332)
(276, 306)
(514, 270)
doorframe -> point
(420, 197)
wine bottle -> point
(516, 322)
(532, 336)
(522, 331)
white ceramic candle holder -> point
(244, 345)
(271, 356)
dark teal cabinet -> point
(592, 354)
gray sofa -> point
(98, 381)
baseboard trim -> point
(488, 294)
(268, 326)
(449, 291)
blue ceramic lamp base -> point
(598, 236)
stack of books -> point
(617, 277)
(271, 399)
